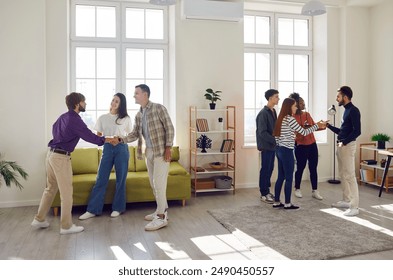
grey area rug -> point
(305, 234)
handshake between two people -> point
(114, 140)
(322, 124)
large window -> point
(277, 54)
(116, 45)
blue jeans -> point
(267, 165)
(286, 165)
(112, 155)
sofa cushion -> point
(175, 154)
(84, 161)
(131, 161)
(176, 169)
(140, 164)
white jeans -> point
(346, 166)
(158, 170)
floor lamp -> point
(332, 112)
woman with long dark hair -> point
(115, 123)
(284, 131)
(306, 149)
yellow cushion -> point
(140, 165)
(131, 161)
(175, 154)
(84, 160)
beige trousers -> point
(59, 177)
(158, 170)
(346, 166)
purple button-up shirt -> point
(67, 131)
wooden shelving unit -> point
(199, 162)
(372, 173)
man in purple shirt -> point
(67, 131)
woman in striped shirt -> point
(284, 131)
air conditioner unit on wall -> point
(212, 10)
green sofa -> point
(85, 163)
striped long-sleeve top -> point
(288, 128)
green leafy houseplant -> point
(9, 171)
(381, 138)
(212, 96)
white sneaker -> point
(341, 204)
(315, 194)
(115, 214)
(269, 198)
(72, 229)
(298, 193)
(351, 212)
(157, 223)
(86, 216)
(151, 216)
(38, 224)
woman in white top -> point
(115, 123)
(284, 131)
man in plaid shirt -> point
(154, 124)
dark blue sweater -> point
(350, 128)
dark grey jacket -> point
(266, 120)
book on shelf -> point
(202, 125)
(226, 146)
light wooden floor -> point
(191, 234)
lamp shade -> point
(163, 2)
(313, 8)
(332, 110)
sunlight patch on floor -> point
(140, 247)
(223, 247)
(173, 253)
(258, 248)
(386, 207)
(120, 254)
(338, 213)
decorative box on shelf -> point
(204, 183)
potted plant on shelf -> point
(9, 171)
(381, 138)
(212, 96)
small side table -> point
(386, 170)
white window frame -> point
(274, 49)
(120, 43)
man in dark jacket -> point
(266, 143)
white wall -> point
(209, 54)
(34, 82)
(381, 70)
(22, 95)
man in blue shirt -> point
(67, 131)
(346, 149)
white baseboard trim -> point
(255, 185)
(23, 203)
